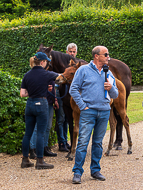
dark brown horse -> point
(119, 103)
(120, 70)
(59, 63)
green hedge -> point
(123, 39)
(12, 115)
(12, 107)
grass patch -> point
(134, 108)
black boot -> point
(26, 163)
(33, 154)
(47, 152)
(40, 164)
(68, 146)
(63, 148)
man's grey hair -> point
(96, 50)
(71, 45)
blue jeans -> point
(46, 136)
(35, 112)
(90, 119)
(62, 122)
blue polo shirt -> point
(36, 81)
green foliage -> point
(100, 3)
(79, 13)
(53, 134)
(45, 4)
(121, 31)
(12, 115)
(12, 108)
(13, 8)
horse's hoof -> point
(67, 156)
(118, 148)
(115, 145)
(129, 152)
(70, 159)
(106, 154)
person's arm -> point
(23, 92)
(56, 106)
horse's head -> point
(47, 51)
(68, 75)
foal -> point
(119, 103)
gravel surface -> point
(122, 171)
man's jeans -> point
(90, 119)
(35, 112)
(46, 136)
(62, 122)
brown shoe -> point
(26, 163)
(40, 164)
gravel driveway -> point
(122, 171)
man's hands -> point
(23, 92)
(56, 105)
(107, 85)
(86, 108)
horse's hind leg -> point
(113, 122)
(73, 148)
(75, 134)
(126, 125)
(125, 120)
(119, 128)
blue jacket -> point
(87, 88)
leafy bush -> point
(13, 8)
(12, 115)
(79, 13)
(12, 108)
(121, 31)
(100, 3)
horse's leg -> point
(125, 120)
(119, 129)
(120, 105)
(113, 122)
(75, 134)
(127, 81)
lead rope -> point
(66, 90)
